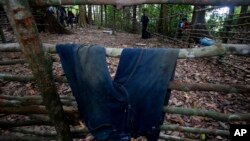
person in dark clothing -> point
(71, 17)
(182, 25)
(62, 15)
(144, 21)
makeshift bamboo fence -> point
(50, 109)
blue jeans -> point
(131, 104)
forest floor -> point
(197, 70)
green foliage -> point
(215, 21)
(173, 15)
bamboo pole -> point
(12, 137)
(35, 109)
(12, 62)
(51, 134)
(121, 3)
(175, 138)
(11, 124)
(172, 127)
(167, 127)
(22, 22)
(27, 102)
(207, 113)
(37, 138)
(174, 85)
(215, 50)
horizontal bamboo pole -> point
(12, 62)
(12, 137)
(76, 132)
(207, 113)
(11, 124)
(35, 109)
(32, 98)
(172, 127)
(174, 85)
(175, 138)
(27, 102)
(121, 3)
(215, 50)
(168, 127)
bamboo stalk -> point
(174, 85)
(12, 62)
(27, 102)
(50, 134)
(23, 24)
(22, 138)
(31, 98)
(215, 50)
(11, 124)
(207, 113)
(174, 138)
(34, 109)
(168, 127)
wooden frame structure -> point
(40, 64)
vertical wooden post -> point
(25, 29)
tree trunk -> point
(53, 26)
(2, 35)
(90, 14)
(22, 22)
(101, 12)
(160, 21)
(199, 24)
(94, 14)
(134, 23)
(82, 16)
(227, 24)
(163, 21)
(106, 18)
(114, 20)
(127, 18)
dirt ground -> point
(198, 70)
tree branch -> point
(170, 127)
(207, 113)
(171, 110)
(12, 62)
(215, 50)
(174, 85)
(22, 138)
(175, 138)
